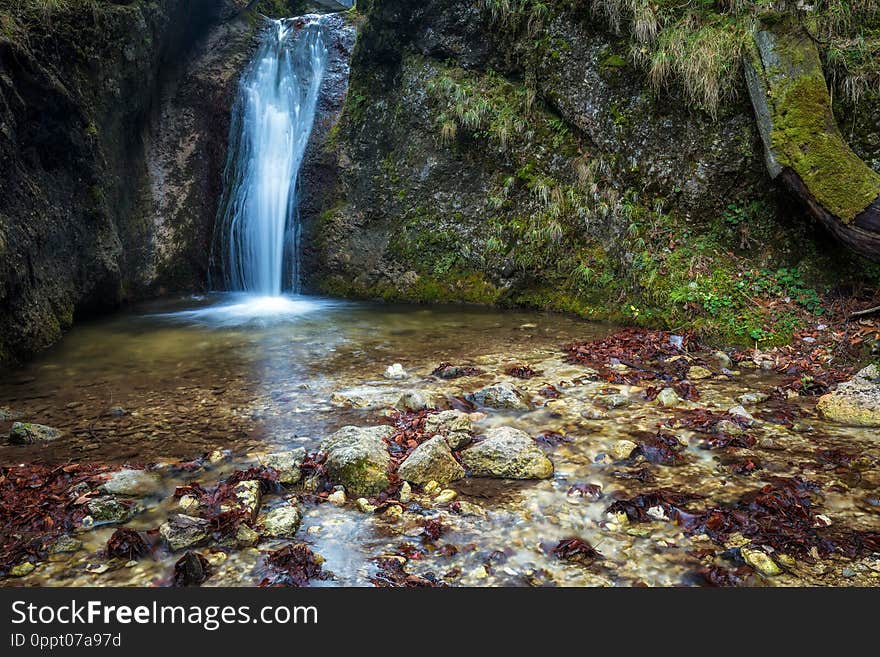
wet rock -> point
(364, 506)
(395, 371)
(445, 496)
(188, 504)
(28, 433)
(132, 483)
(508, 453)
(405, 494)
(191, 569)
(358, 459)
(739, 411)
(245, 537)
(723, 359)
(760, 561)
(8, 415)
(855, 402)
(615, 400)
(65, 545)
(696, 373)
(455, 426)
(337, 497)
(286, 464)
(499, 395)
(181, 531)
(752, 398)
(282, 522)
(668, 397)
(432, 460)
(622, 449)
(23, 569)
(248, 497)
(108, 510)
(415, 400)
(116, 411)
(363, 397)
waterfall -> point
(257, 237)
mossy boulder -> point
(855, 402)
(507, 453)
(29, 433)
(358, 459)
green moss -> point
(806, 139)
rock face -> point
(75, 96)
(855, 402)
(425, 207)
(431, 461)
(114, 123)
(358, 459)
(27, 433)
(508, 453)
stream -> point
(242, 377)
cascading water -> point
(257, 238)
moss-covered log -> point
(803, 145)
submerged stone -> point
(358, 459)
(28, 433)
(507, 453)
(107, 509)
(132, 483)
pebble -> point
(405, 494)
(444, 496)
(760, 561)
(622, 449)
(337, 498)
(22, 569)
(395, 371)
(431, 487)
(363, 505)
(697, 372)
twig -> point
(862, 313)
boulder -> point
(855, 402)
(499, 395)
(432, 460)
(181, 532)
(286, 464)
(28, 433)
(132, 483)
(357, 458)
(282, 522)
(455, 426)
(508, 453)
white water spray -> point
(258, 233)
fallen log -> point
(803, 145)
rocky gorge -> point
(577, 302)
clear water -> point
(258, 235)
(253, 376)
